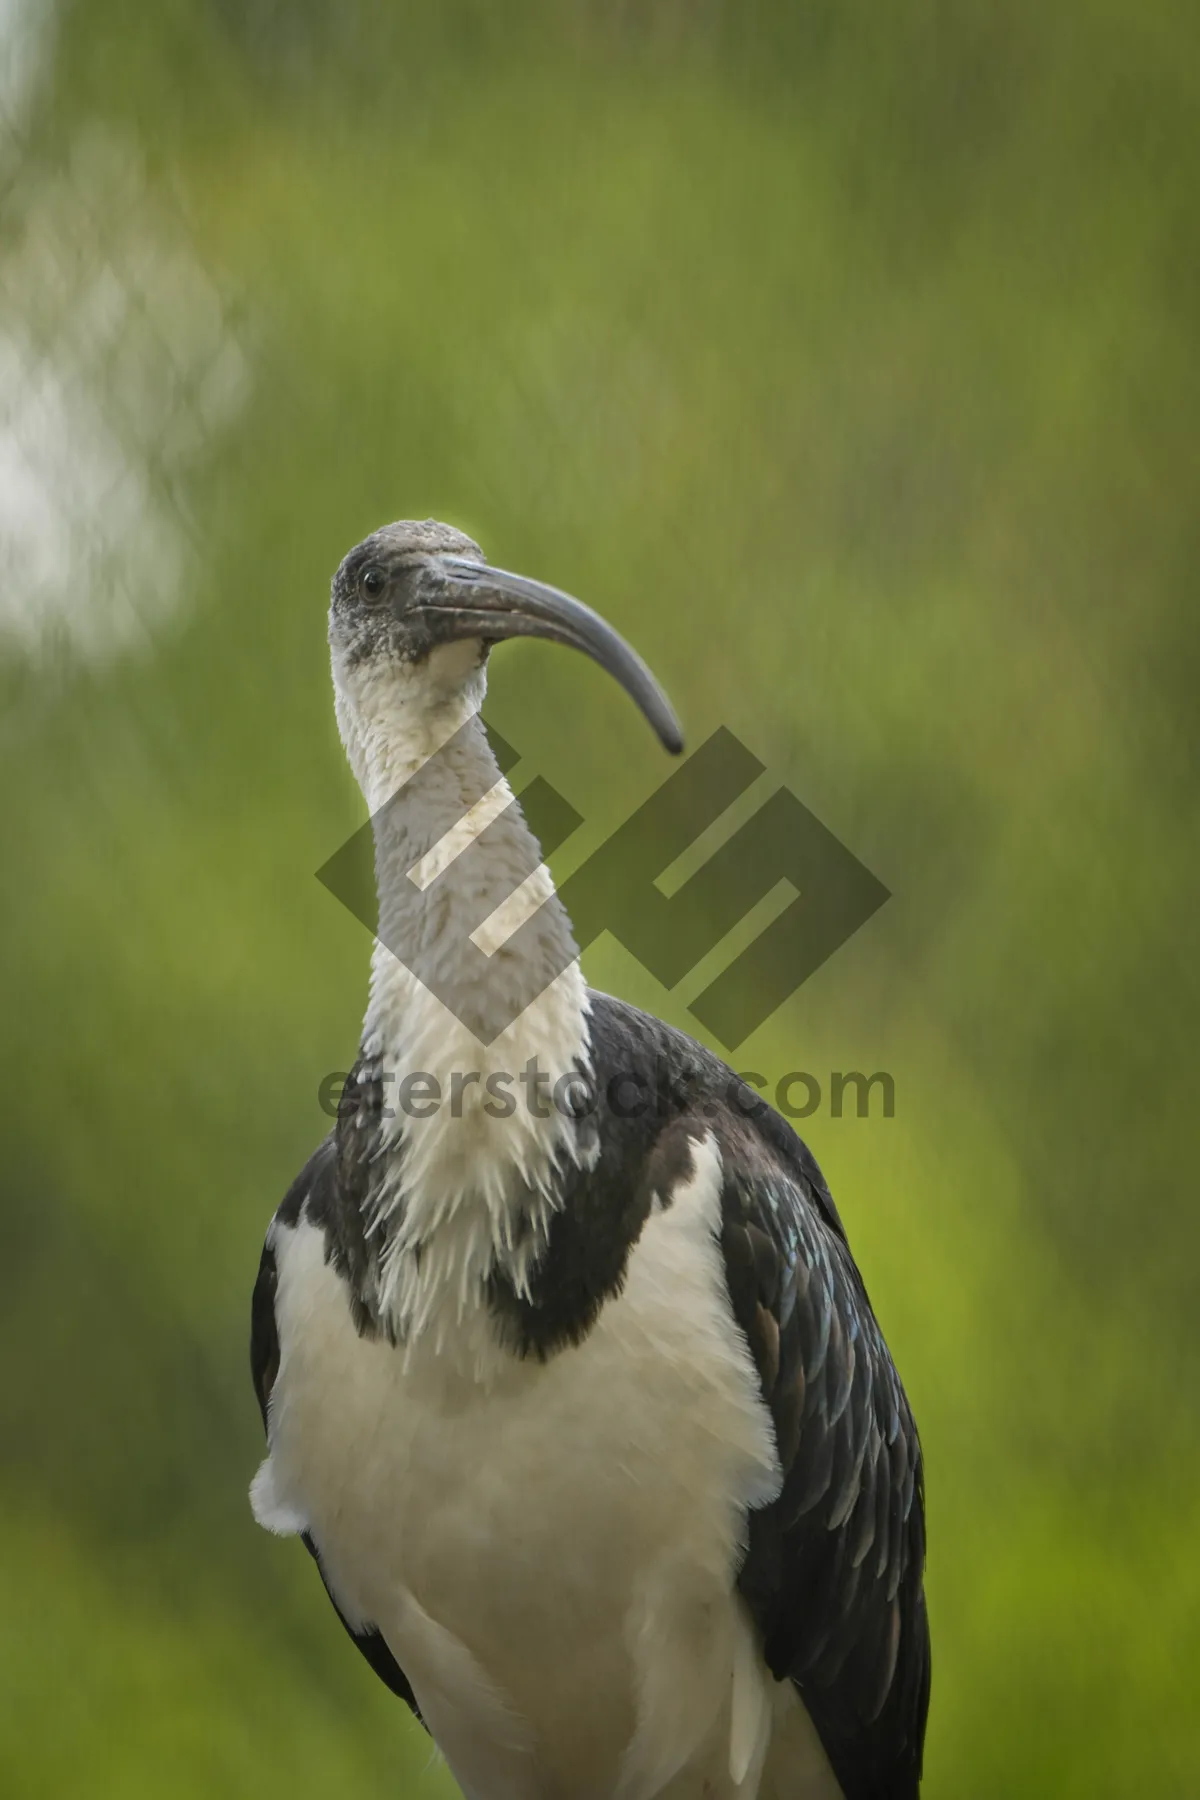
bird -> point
(570, 1383)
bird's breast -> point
(551, 1520)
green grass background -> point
(846, 357)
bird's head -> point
(414, 611)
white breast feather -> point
(551, 1554)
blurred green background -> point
(846, 357)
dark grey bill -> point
(479, 601)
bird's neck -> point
(474, 1031)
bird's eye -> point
(372, 581)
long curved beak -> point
(471, 599)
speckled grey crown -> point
(427, 535)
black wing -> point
(834, 1569)
(321, 1170)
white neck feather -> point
(467, 1190)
